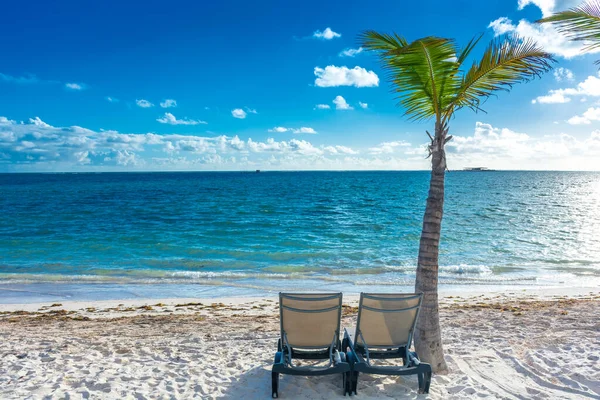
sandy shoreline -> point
(504, 345)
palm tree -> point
(579, 24)
(428, 78)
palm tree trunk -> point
(428, 338)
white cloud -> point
(341, 104)
(75, 86)
(552, 98)
(279, 129)
(350, 52)
(332, 76)
(322, 107)
(363, 105)
(504, 148)
(304, 129)
(170, 119)
(251, 110)
(37, 146)
(563, 74)
(327, 34)
(144, 103)
(545, 6)
(579, 120)
(111, 99)
(238, 113)
(388, 147)
(339, 150)
(544, 34)
(591, 114)
(168, 103)
(589, 87)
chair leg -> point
(275, 384)
(427, 382)
(420, 377)
(354, 382)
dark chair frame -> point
(360, 355)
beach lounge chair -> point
(384, 330)
(310, 330)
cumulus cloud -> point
(552, 98)
(544, 34)
(332, 76)
(144, 103)
(170, 119)
(589, 87)
(168, 103)
(341, 104)
(563, 74)
(363, 105)
(495, 147)
(38, 146)
(322, 107)
(238, 113)
(327, 34)
(591, 114)
(350, 52)
(75, 86)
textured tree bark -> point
(428, 338)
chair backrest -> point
(310, 320)
(387, 320)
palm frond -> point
(580, 23)
(505, 62)
(423, 73)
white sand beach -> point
(502, 345)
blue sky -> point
(232, 85)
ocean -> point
(201, 234)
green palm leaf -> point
(505, 62)
(422, 73)
(580, 23)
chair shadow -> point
(256, 384)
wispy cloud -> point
(322, 107)
(563, 74)
(363, 105)
(350, 52)
(327, 34)
(341, 104)
(168, 103)
(238, 113)
(304, 129)
(75, 86)
(332, 76)
(170, 119)
(144, 103)
(27, 79)
(111, 99)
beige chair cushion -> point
(310, 320)
(387, 319)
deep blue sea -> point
(237, 233)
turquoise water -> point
(234, 232)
